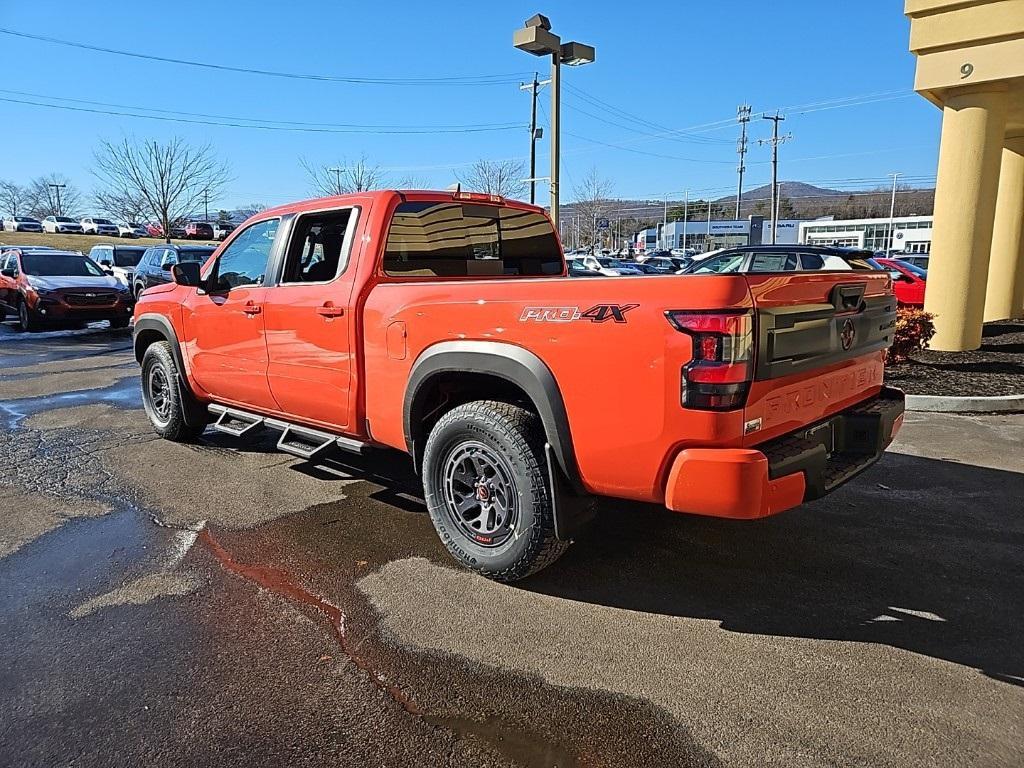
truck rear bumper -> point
(746, 483)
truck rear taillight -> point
(718, 376)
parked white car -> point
(131, 229)
(61, 224)
(96, 226)
(22, 224)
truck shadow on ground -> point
(918, 554)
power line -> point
(495, 79)
(243, 122)
(268, 121)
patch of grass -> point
(81, 243)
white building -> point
(723, 234)
(912, 234)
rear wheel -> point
(165, 402)
(486, 488)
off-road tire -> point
(168, 415)
(515, 435)
(28, 321)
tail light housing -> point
(720, 370)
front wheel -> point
(28, 320)
(486, 488)
(165, 403)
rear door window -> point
(460, 239)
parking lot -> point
(224, 604)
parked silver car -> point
(22, 224)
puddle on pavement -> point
(123, 393)
(526, 748)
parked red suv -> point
(199, 230)
(58, 287)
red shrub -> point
(914, 329)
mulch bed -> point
(996, 368)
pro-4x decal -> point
(599, 313)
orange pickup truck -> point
(443, 324)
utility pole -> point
(775, 141)
(743, 117)
(686, 213)
(535, 133)
(337, 176)
(206, 205)
(58, 188)
(892, 213)
(707, 238)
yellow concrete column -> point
(973, 126)
(1005, 296)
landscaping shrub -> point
(914, 329)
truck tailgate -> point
(819, 347)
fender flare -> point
(154, 322)
(514, 364)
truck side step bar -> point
(237, 423)
(305, 442)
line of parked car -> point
(95, 225)
(909, 272)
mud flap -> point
(572, 511)
(193, 412)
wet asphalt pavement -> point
(223, 604)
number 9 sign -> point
(966, 70)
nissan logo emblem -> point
(848, 334)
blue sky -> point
(677, 65)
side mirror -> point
(187, 273)
(107, 268)
(166, 265)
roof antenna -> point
(455, 188)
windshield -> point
(59, 265)
(914, 269)
(718, 265)
(64, 219)
(128, 257)
(101, 221)
(23, 218)
(133, 225)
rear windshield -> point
(64, 219)
(449, 239)
(102, 221)
(57, 265)
(128, 257)
(194, 254)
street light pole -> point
(686, 214)
(556, 132)
(892, 213)
(535, 37)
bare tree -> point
(170, 177)
(121, 205)
(345, 177)
(412, 181)
(14, 198)
(53, 195)
(496, 177)
(252, 209)
(591, 202)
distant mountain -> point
(791, 189)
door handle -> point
(252, 309)
(329, 310)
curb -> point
(950, 404)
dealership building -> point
(911, 234)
